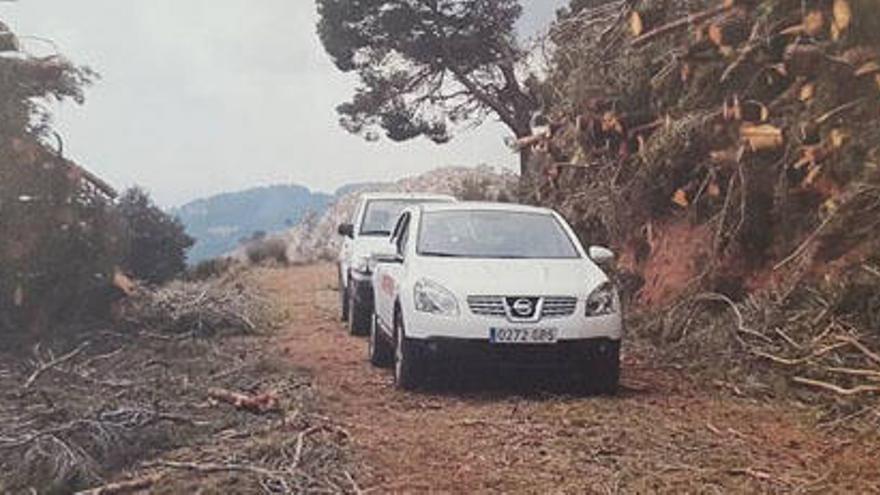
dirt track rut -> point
(663, 433)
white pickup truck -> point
(484, 283)
(368, 233)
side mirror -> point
(388, 253)
(601, 255)
(346, 230)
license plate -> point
(523, 335)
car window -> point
(381, 215)
(494, 234)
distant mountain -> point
(219, 222)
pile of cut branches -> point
(753, 121)
(822, 340)
(198, 308)
(210, 413)
(758, 116)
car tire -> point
(343, 298)
(602, 371)
(379, 351)
(359, 315)
(408, 368)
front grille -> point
(487, 305)
(497, 306)
(558, 307)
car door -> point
(387, 274)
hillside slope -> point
(219, 222)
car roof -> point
(407, 195)
(484, 206)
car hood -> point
(366, 246)
(575, 277)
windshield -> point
(381, 215)
(494, 234)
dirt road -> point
(664, 433)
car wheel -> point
(407, 368)
(343, 298)
(602, 372)
(380, 352)
(358, 317)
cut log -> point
(677, 24)
(810, 156)
(793, 30)
(123, 283)
(262, 403)
(859, 55)
(807, 92)
(814, 22)
(763, 137)
(868, 68)
(753, 111)
(730, 31)
(611, 123)
(680, 198)
(644, 18)
(725, 156)
(747, 111)
(813, 173)
(18, 296)
(837, 138)
(842, 18)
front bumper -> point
(570, 354)
(469, 326)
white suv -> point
(494, 283)
(369, 231)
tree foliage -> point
(59, 236)
(157, 242)
(427, 65)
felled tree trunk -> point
(646, 17)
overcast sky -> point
(205, 96)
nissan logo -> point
(522, 307)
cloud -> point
(203, 96)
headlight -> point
(602, 301)
(432, 298)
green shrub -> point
(267, 249)
(157, 242)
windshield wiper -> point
(375, 232)
(441, 255)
